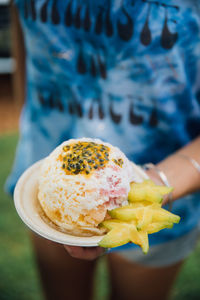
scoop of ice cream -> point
(82, 179)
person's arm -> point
(181, 174)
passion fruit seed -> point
(66, 148)
(83, 157)
(118, 162)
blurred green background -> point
(18, 273)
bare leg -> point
(63, 277)
(130, 281)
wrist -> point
(153, 175)
(181, 175)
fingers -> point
(86, 253)
(157, 180)
(154, 176)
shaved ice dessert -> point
(80, 181)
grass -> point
(18, 273)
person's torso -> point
(128, 69)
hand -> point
(86, 253)
(157, 180)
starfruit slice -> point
(144, 215)
(130, 212)
(156, 214)
(123, 232)
(157, 226)
(163, 215)
(111, 223)
(116, 237)
(147, 190)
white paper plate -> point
(26, 203)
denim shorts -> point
(165, 254)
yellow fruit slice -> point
(115, 223)
(126, 213)
(147, 190)
(144, 219)
(156, 214)
(163, 215)
(139, 194)
(111, 223)
(122, 233)
(131, 211)
(144, 241)
(144, 215)
(156, 226)
(141, 215)
(114, 238)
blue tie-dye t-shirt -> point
(125, 71)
